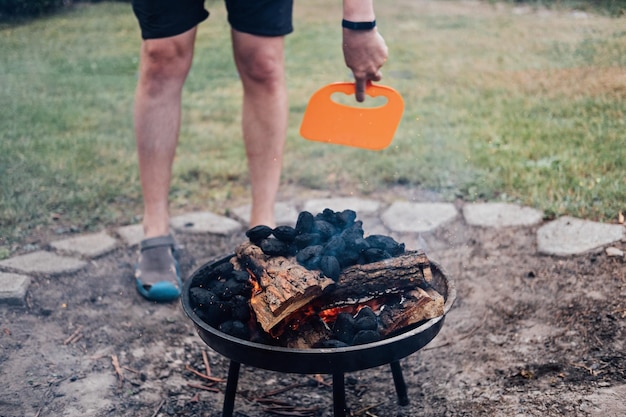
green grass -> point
(523, 107)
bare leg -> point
(164, 65)
(264, 119)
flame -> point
(330, 315)
(254, 281)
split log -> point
(395, 275)
(420, 305)
(285, 285)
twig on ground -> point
(291, 411)
(118, 370)
(131, 370)
(207, 367)
(74, 337)
(203, 387)
(203, 376)
(156, 412)
(365, 410)
(273, 401)
(284, 389)
(586, 368)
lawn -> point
(502, 103)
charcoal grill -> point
(334, 361)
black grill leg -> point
(398, 380)
(339, 395)
(231, 389)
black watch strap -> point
(358, 25)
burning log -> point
(284, 286)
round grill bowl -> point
(323, 360)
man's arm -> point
(364, 50)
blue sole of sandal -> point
(161, 291)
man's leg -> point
(164, 65)
(260, 61)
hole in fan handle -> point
(350, 100)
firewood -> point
(407, 271)
(420, 305)
(285, 285)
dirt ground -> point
(529, 335)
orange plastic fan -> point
(326, 120)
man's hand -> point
(365, 52)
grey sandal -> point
(157, 273)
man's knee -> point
(262, 67)
(163, 59)
(168, 58)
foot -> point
(157, 273)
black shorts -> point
(164, 18)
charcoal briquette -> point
(326, 215)
(374, 255)
(240, 309)
(353, 238)
(217, 287)
(306, 239)
(224, 270)
(308, 253)
(200, 280)
(365, 336)
(330, 267)
(233, 287)
(386, 243)
(347, 217)
(365, 312)
(312, 263)
(366, 323)
(235, 328)
(201, 297)
(215, 312)
(275, 247)
(285, 233)
(258, 233)
(240, 276)
(344, 328)
(348, 258)
(325, 229)
(335, 246)
(304, 224)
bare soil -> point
(529, 335)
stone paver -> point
(13, 288)
(132, 234)
(500, 215)
(285, 213)
(91, 245)
(43, 262)
(569, 236)
(614, 252)
(405, 217)
(205, 222)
